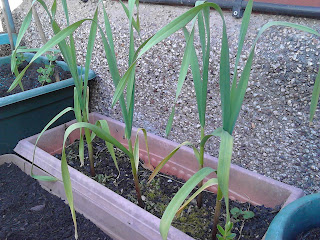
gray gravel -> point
(4, 49)
(272, 135)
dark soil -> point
(29, 80)
(313, 234)
(27, 211)
(157, 195)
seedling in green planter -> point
(47, 72)
(20, 58)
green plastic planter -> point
(25, 114)
(299, 216)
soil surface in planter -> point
(313, 234)
(27, 211)
(29, 80)
(157, 195)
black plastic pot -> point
(25, 114)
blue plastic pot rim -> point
(278, 227)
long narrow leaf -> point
(109, 50)
(77, 113)
(65, 9)
(197, 83)
(99, 132)
(136, 153)
(165, 32)
(178, 199)
(315, 96)
(224, 162)
(24, 26)
(134, 23)
(104, 125)
(77, 109)
(197, 155)
(108, 32)
(131, 82)
(225, 79)
(148, 164)
(130, 88)
(58, 38)
(138, 19)
(131, 4)
(209, 183)
(87, 105)
(205, 71)
(18, 79)
(239, 93)
(243, 33)
(91, 40)
(170, 120)
(66, 53)
(128, 128)
(166, 159)
(202, 33)
(81, 149)
(182, 75)
(45, 178)
(68, 190)
(54, 8)
(45, 7)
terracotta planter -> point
(245, 186)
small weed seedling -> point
(20, 58)
(102, 178)
(238, 214)
(47, 72)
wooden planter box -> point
(245, 186)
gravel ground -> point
(4, 49)
(272, 135)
